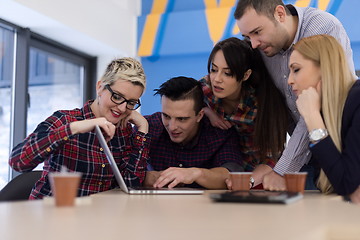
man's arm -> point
(213, 178)
(295, 155)
(259, 172)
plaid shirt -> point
(53, 144)
(211, 147)
(244, 119)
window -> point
(54, 83)
(6, 76)
(37, 77)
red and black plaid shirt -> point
(53, 144)
(244, 119)
(210, 148)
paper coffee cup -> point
(64, 186)
(240, 180)
(295, 182)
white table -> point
(115, 215)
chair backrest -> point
(20, 187)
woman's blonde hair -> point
(126, 69)
(336, 80)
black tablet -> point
(256, 197)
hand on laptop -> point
(151, 177)
(174, 176)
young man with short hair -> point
(185, 148)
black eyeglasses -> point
(118, 99)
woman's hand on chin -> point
(355, 196)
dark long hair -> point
(271, 121)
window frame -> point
(24, 40)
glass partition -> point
(54, 84)
(6, 76)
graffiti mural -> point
(217, 20)
(176, 36)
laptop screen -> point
(141, 190)
(111, 160)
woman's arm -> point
(51, 135)
(36, 148)
(135, 153)
(216, 120)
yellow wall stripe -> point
(217, 16)
(302, 3)
(217, 20)
(235, 30)
(149, 35)
(151, 27)
(159, 6)
(227, 3)
(223, 3)
(323, 4)
(210, 4)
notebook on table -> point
(257, 197)
(137, 190)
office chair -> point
(20, 187)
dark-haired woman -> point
(239, 92)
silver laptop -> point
(138, 190)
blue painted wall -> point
(182, 33)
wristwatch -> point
(318, 134)
(252, 182)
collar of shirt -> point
(86, 110)
(247, 102)
(299, 13)
(246, 110)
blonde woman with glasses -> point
(67, 137)
(329, 101)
